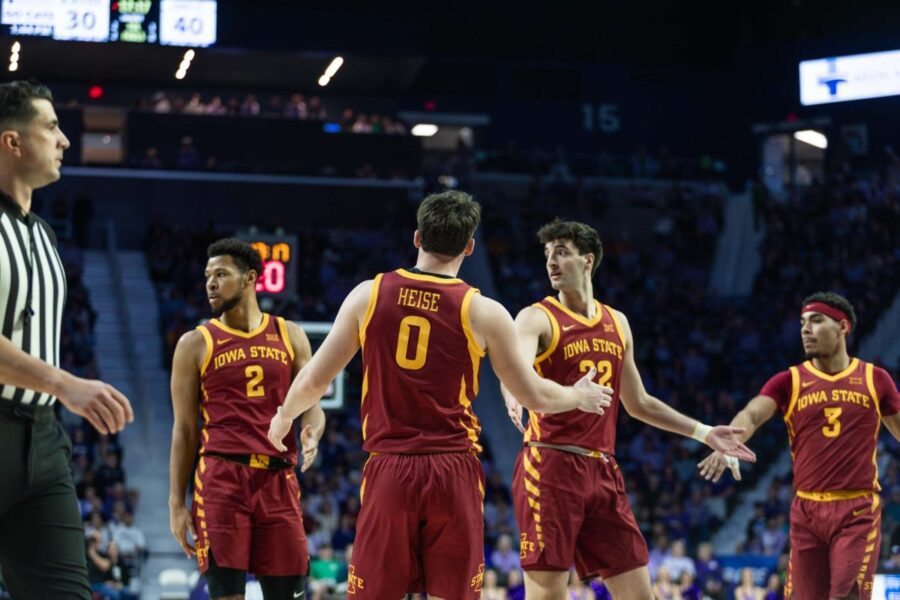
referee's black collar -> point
(14, 208)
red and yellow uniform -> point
(568, 491)
(246, 494)
(421, 525)
(833, 421)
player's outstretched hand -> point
(180, 522)
(712, 467)
(592, 398)
(724, 439)
(105, 407)
(309, 447)
(514, 410)
(278, 430)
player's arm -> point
(655, 412)
(312, 423)
(185, 387)
(495, 330)
(105, 407)
(531, 325)
(336, 350)
(889, 399)
(759, 410)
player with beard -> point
(246, 501)
(569, 495)
(833, 406)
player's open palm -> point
(105, 407)
(712, 467)
(309, 447)
(725, 439)
(592, 398)
(180, 523)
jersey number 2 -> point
(254, 374)
(604, 370)
(421, 350)
(833, 429)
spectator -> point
(188, 156)
(250, 106)
(327, 574)
(774, 537)
(773, 588)
(194, 106)
(515, 585)
(664, 589)
(505, 558)
(709, 570)
(346, 535)
(151, 159)
(215, 107)
(107, 575)
(677, 562)
(130, 540)
(97, 529)
(747, 588)
(688, 587)
(161, 103)
(490, 589)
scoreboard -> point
(166, 22)
(279, 256)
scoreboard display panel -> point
(167, 22)
(279, 256)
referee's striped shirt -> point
(29, 264)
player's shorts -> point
(250, 517)
(834, 547)
(573, 509)
(420, 527)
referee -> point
(42, 548)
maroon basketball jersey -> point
(833, 423)
(420, 364)
(578, 344)
(244, 380)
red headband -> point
(829, 311)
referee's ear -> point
(10, 142)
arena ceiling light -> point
(14, 56)
(331, 70)
(812, 137)
(185, 64)
(425, 129)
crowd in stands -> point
(294, 106)
(641, 163)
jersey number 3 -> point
(833, 429)
(423, 327)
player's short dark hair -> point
(834, 301)
(16, 108)
(447, 221)
(584, 237)
(243, 254)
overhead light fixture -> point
(812, 137)
(424, 129)
(14, 56)
(181, 73)
(331, 70)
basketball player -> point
(833, 405)
(569, 496)
(246, 508)
(423, 333)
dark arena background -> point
(734, 157)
